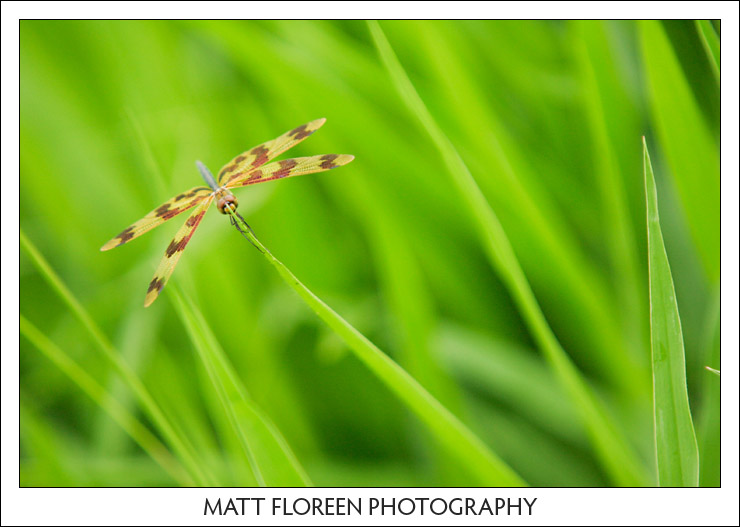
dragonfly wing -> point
(158, 216)
(174, 251)
(261, 154)
(297, 166)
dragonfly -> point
(248, 168)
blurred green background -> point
(548, 117)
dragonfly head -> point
(227, 200)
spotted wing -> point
(297, 166)
(174, 251)
(158, 216)
(259, 155)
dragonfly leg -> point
(245, 222)
(239, 228)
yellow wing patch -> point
(158, 216)
(261, 154)
(174, 251)
(297, 166)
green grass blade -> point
(39, 447)
(402, 282)
(708, 422)
(675, 439)
(200, 473)
(516, 191)
(271, 459)
(710, 39)
(461, 443)
(137, 431)
(514, 375)
(518, 438)
(689, 147)
(612, 125)
(413, 313)
(610, 446)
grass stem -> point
(460, 442)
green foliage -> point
(617, 460)
(134, 428)
(497, 253)
(710, 39)
(270, 459)
(472, 455)
(675, 439)
(690, 149)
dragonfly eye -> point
(228, 200)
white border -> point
(368, 10)
(9, 228)
(554, 506)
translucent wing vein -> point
(261, 154)
(158, 216)
(174, 251)
(296, 166)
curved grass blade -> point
(675, 438)
(271, 459)
(41, 447)
(267, 453)
(409, 301)
(179, 443)
(509, 372)
(137, 431)
(520, 198)
(710, 40)
(611, 447)
(460, 442)
(686, 139)
(401, 279)
(613, 128)
(709, 419)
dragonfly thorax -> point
(224, 199)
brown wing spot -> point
(328, 161)
(229, 168)
(260, 154)
(257, 174)
(156, 283)
(193, 220)
(233, 166)
(126, 235)
(172, 248)
(186, 239)
(300, 132)
(179, 245)
(286, 166)
(170, 213)
(254, 176)
(162, 209)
